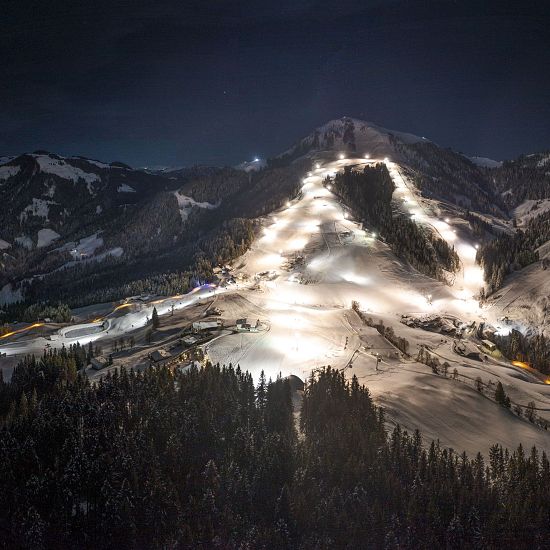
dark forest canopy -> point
(207, 460)
(368, 193)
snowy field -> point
(298, 282)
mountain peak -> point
(351, 135)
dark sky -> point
(182, 82)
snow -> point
(46, 237)
(8, 171)
(252, 166)
(116, 252)
(485, 162)
(530, 209)
(306, 321)
(544, 160)
(39, 208)
(84, 251)
(25, 241)
(450, 411)
(91, 161)
(125, 188)
(50, 189)
(58, 167)
(368, 138)
(9, 296)
(86, 246)
(525, 300)
(186, 203)
(4, 245)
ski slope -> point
(299, 279)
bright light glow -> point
(309, 174)
(121, 306)
(354, 278)
(288, 204)
(447, 220)
(386, 159)
(297, 244)
(279, 224)
(269, 234)
(290, 320)
(367, 156)
(272, 260)
(256, 159)
(316, 263)
(341, 156)
(310, 226)
(317, 166)
(448, 235)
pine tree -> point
(155, 318)
(23, 405)
(500, 394)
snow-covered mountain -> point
(524, 178)
(252, 165)
(485, 162)
(51, 202)
(349, 135)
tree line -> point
(206, 459)
(511, 252)
(368, 193)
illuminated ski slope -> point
(305, 269)
(316, 261)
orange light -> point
(121, 306)
(35, 325)
(521, 364)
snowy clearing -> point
(185, 205)
(64, 170)
(46, 237)
(9, 296)
(25, 242)
(530, 209)
(8, 172)
(39, 208)
(125, 188)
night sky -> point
(185, 82)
